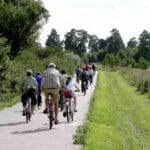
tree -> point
(101, 55)
(20, 22)
(102, 44)
(70, 41)
(114, 42)
(53, 40)
(4, 70)
(93, 44)
(144, 45)
(132, 43)
(76, 41)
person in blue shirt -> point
(38, 78)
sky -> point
(97, 17)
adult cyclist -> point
(29, 87)
(51, 84)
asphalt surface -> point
(16, 134)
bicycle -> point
(61, 101)
(68, 106)
(90, 79)
(50, 111)
(84, 87)
(28, 112)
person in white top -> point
(71, 85)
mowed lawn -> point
(119, 117)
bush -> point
(144, 64)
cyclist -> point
(29, 86)
(63, 79)
(84, 78)
(78, 71)
(51, 84)
(94, 68)
(90, 74)
(70, 85)
(38, 78)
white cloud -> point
(98, 17)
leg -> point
(24, 101)
(56, 110)
(33, 100)
(39, 98)
(46, 100)
(75, 103)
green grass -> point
(119, 118)
(9, 103)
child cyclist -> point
(71, 86)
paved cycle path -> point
(16, 134)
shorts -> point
(53, 92)
(29, 94)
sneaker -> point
(45, 111)
(56, 122)
(64, 114)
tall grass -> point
(139, 78)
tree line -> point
(111, 50)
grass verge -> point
(118, 118)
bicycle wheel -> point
(61, 107)
(67, 114)
(50, 120)
(27, 117)
(84, 89)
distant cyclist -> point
(94, 68)
(29, 87)
(90, 74)
(38, 78)
(84, 78)
(51, 84)
(78, 71)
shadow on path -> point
(31, 131)
(12, 123)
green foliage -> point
(119, 118)
(4, 71)
(93, 44)
(144, 64)
(53, 40)
(138, 78)
(101, 55)
(144, 45)
(132, 43)
(20, 22)
(89, 57)
(114, 42)
(80, 136)
(76, 41)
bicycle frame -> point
(69, 108)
